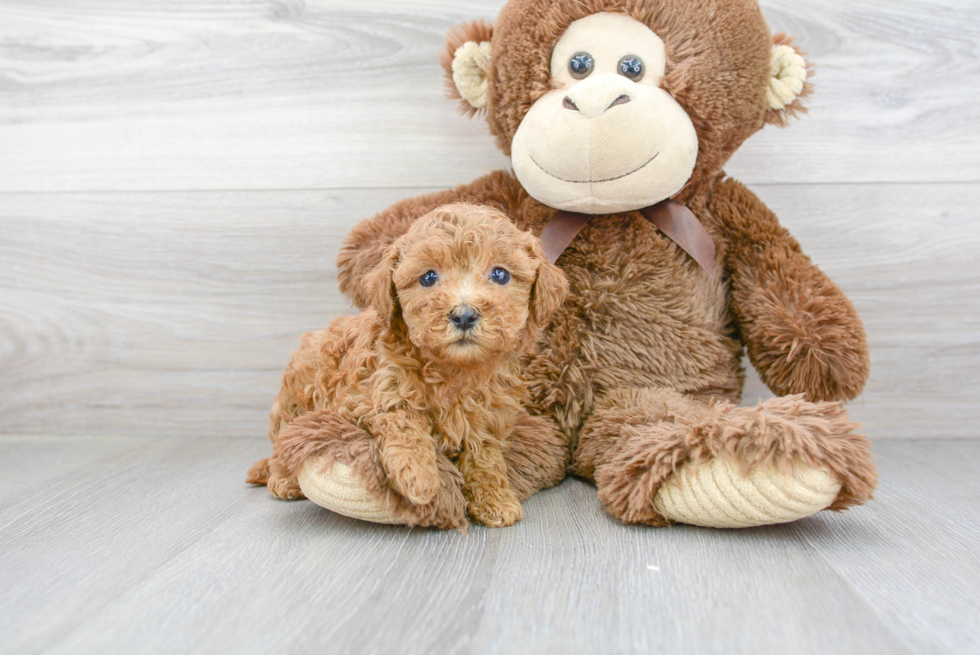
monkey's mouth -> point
(608, 179)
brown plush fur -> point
(640, 368)
(399, 389)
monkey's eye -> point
(632, 67)
(499, 276)
(580, 65)
(428, 278)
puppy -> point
(433, 365)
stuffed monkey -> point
(619, 116)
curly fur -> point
(400, 390)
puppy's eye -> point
(499, 276)
(580, 65)
(632, 67)
(428, 278)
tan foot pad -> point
(713, 494)
(340, 491)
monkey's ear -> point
(788, 85)
(381, 285)
(465, 62)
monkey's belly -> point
(645, 316)
(642, 339)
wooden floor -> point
(147, 545)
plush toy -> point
(618, 116)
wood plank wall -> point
(175, 176)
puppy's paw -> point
(496, 511)
(284, 488)
(415, 480)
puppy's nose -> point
(464, 318)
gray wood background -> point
(175, 176)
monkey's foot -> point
(338, 466)
(713, 494)
(658, 457)
(340, 490)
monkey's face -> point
(608, 137)
(618, 109)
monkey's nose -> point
(621, 100)
(464, 318)
(597, 94)
(568, 103)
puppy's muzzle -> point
(464, 318)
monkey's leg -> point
(537, 455)
(658, 456)
(338, 466)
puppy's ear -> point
(549, 288)
(381, 285)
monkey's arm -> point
(362, 248)
(802, 333)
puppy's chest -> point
(457, 427)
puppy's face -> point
(468, 285)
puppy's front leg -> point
(489, 497)
(408, 454)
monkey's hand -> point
(802, 333)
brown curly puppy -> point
(431, 369)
